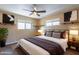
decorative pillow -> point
(48, 33)
(58, 34)
(63, 34)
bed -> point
(38, 48)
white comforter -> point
(36, 50)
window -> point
(28, 25)
(53, 22)
(56, 23)
(23, 25)
(49, 24)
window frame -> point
(52, 22)
(24, 25)
(30, 26)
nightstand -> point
(74, 44)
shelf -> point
(70, 22)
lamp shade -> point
(41, 31)
(73, 32)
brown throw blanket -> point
(52, 47)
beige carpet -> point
(12, 50)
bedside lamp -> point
(41, 31)
(74, 34)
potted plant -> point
(3, 36)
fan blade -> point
(43, 11)
(27, 10)
(37, 14)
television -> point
(8, 19)
(70, 16)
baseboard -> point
(11, 43)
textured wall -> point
(61, 26)
(15, 34)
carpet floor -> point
(12, 50)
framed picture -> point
(71, 16)
(8, 19)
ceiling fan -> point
(35, 11)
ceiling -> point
(50, 8)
